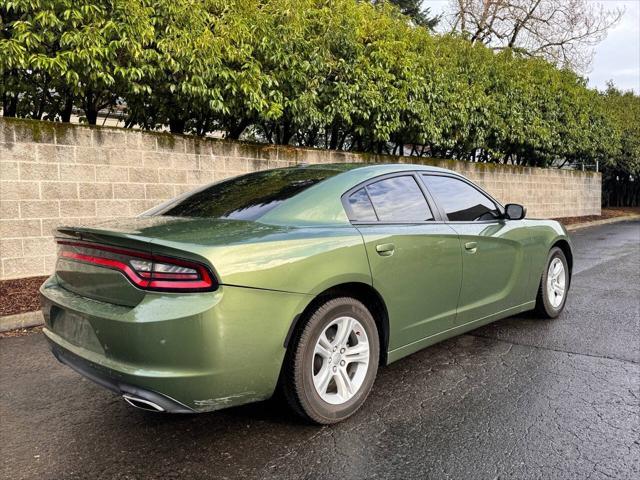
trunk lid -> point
(189, 239)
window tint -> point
(461, 202)
(361, 208)
(399, 199)
(244, 198)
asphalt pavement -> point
(521, 398)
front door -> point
(495, 267)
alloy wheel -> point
(556, 282)
(340, 360)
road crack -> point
(539, 347)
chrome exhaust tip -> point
(142, 404)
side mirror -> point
(513, 211)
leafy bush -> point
(621, 171)
(341, 75)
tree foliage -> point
(57, 53)
(561, 31)
(418, 14)
(339, 74)
(621, 171)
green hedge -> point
(338, 74)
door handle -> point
(471, 247)
(385, 249)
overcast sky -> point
(617, 58)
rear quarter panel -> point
(304, 260)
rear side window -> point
(399, 199)
(248, 197)
(461, 201)
(361, 208)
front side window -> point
(399, 199)
(461, 202)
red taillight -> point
(144, 270)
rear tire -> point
(333, 362)
(554, 285)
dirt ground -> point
(606, 213)
(20, 295)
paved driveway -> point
(522, 398)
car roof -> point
(321, 204)
(374, 168)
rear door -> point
(415, 259)
(495, 267)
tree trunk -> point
(37, 115)
(234, 132)
(90, 108)
(176, 125)
(92, 115)
(65, 115)
(335, 131)
(9, 105)
(287, 133)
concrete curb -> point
(21, 320)
(595, 223)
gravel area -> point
(21, 295)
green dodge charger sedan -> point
(303, 279)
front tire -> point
(333, 363)
(554, 285)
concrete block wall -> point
(53, 174)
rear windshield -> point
(248, 197)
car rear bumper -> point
(184, 353)
(106, 379)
